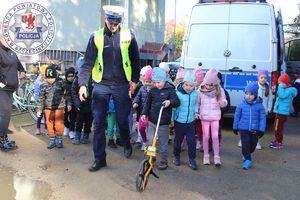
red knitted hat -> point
(284, 78)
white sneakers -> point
(258, 146)
(66, 132)
(198, 145)
(217, 161)
(206, 160)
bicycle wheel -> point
(140, 181)
(31, 106)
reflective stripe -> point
(125, 39)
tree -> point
(169, 35)
(294, 28)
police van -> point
(238, 38)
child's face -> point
(159, 84)
(262, 79)
(249, 96)
(188, 87)
(50, 80)
(209, 86)
(70, 78)
(148, 84)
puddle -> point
(14, 187)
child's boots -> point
(59, 142)
(51, 144)
(85, 138)
(76, 139)
(7, 145)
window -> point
(293, 51)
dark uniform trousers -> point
(100, 100)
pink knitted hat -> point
(180, 73)
(211, 77)
(148, 75)
(199, 75)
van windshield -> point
(249, 42)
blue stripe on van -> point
(240, 81)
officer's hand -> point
(132, 86)
(69, 108)
(135, 105)
(143, 118)
(82, 93)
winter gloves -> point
(235, 132)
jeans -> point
(188, 130)
(100, 98)
(249, 142)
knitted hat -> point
(252, 88)
(211, 77)
(51, 72)
(180, 73)
(284, 78)
(165, 66)
(199, 75)
(262, 72)
(70, 72)
(190, 77)
(144, 69)
(159, 74)
(148, 75)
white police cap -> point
(113, 11)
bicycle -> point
(26, 100)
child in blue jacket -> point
(184, 119)
(250, 122)
(284, 98)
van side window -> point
(294, 51)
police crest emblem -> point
(28, 28)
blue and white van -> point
(237, 37)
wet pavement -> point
(13, 186)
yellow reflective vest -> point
(125, 39)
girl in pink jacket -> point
(211, 99)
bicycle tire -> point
(32, 106)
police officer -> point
(112, 57)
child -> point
(139, 102)
(70, 116)
(198, 126)
(250, 122)
(284, 97)
(111, 125)
(166, 67)
(161, 94)
(37, 87)
(179, 76)
(264, 94)
(296, 100)
(84, 115)
(52, 102)
(184, 119)
(211, 100)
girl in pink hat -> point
(211, 99)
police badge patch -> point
(28, 28)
